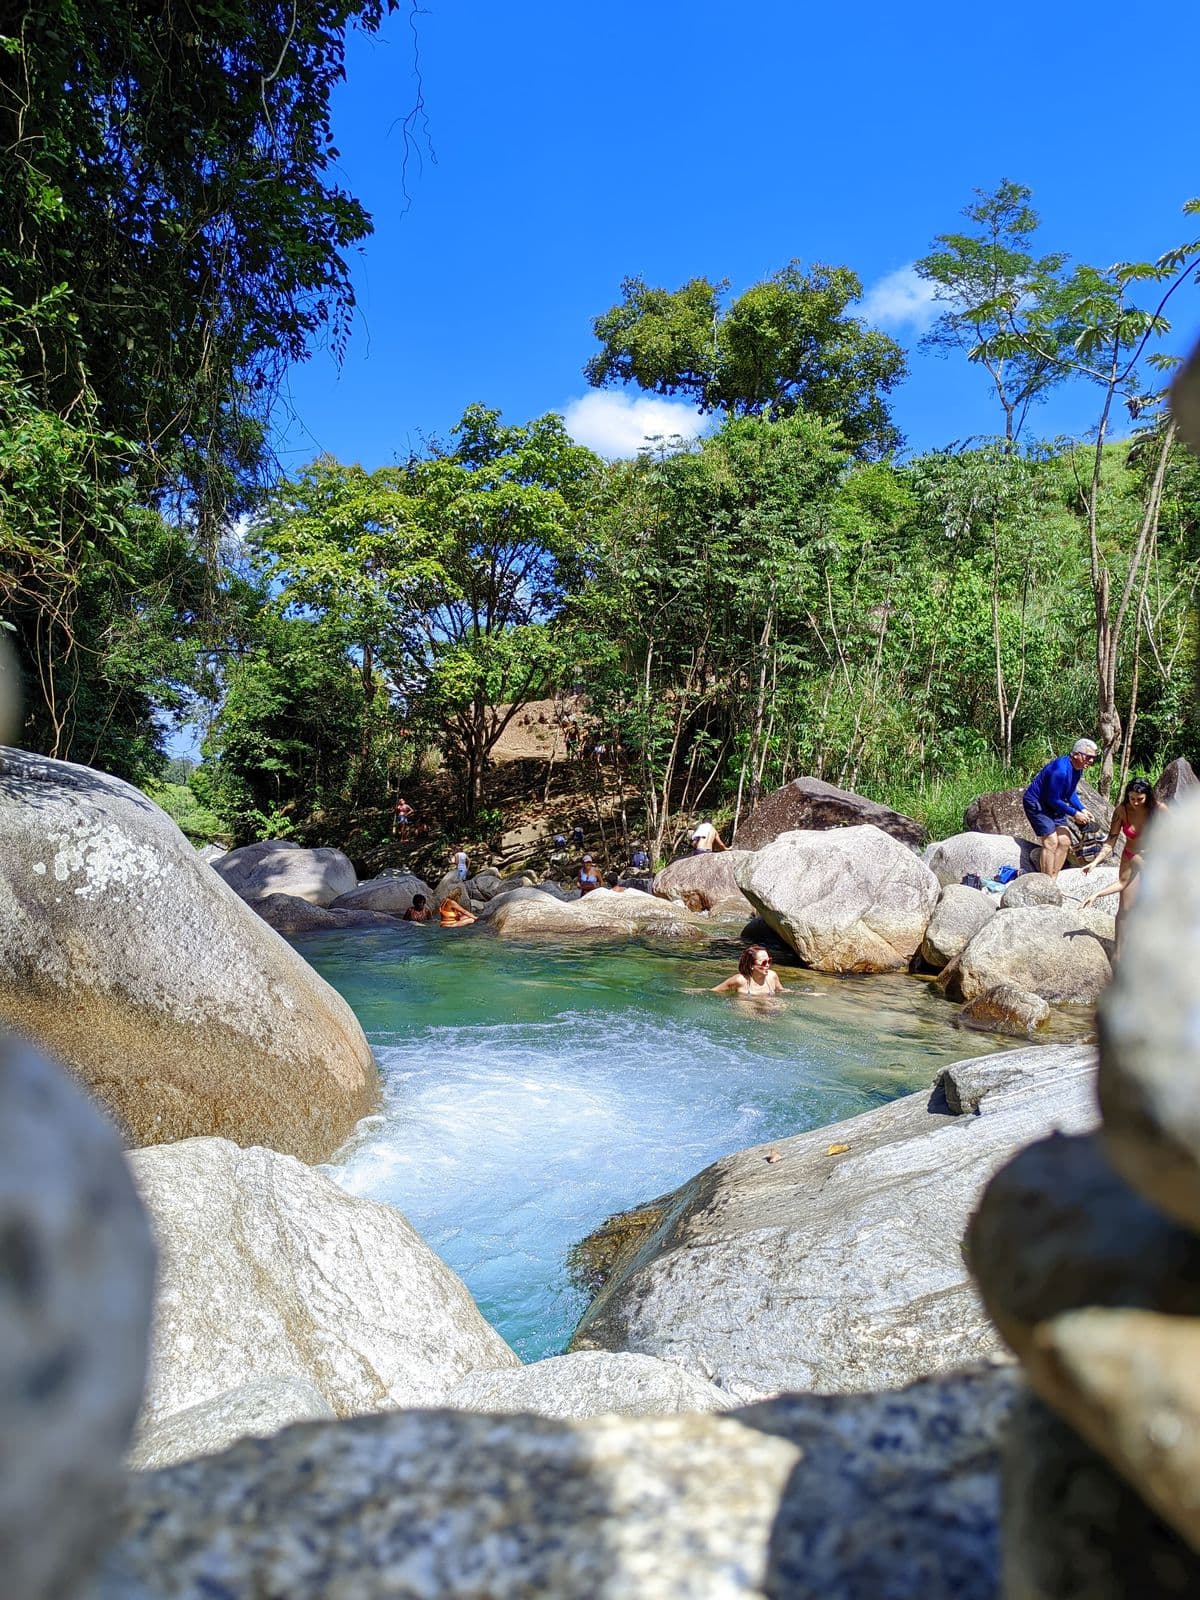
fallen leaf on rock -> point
(772, 1155)
(837, 1149)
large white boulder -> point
(833, 1260)
(392, 894)
(604, 913)
(846, 900)
(950, 860)
(278, 866)
(255, 1410)
(957, 918)
(1061, 953)
(269, 1269)
(76, 1273)
(130, 960)
(705, 882)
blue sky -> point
(576, 144)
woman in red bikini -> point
(1130, 821)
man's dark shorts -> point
(1041, 824)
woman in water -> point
(1130, 821)
(754, 978)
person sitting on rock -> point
(1050, 804)
(419, 910)
(705, 838)
(588, 878)
(754, 978)
(453, 915)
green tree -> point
(502, 508)
(992, 285)
(786, 343)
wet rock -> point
(1005, 1009)
(1034, 889)
(958, 916)
(1004, 811)
(848, 900)
(268, 1269)
(833, 1272)
(257, 1409)
(1061, 954)
(392, 894)
(131, 961)
(76, 1271)
(950, 860)
(892, 1495)
(1075, 1530)
(605, 913)
(592, 1261)
(590, 1383)
(808, 804)
(1150, 1047)
(705, 882)
(281, 867)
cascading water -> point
(530, 1091)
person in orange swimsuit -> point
(453, 915)
(1129, 822)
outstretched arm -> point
(730, 985)
(1098, 894)
(1110, 844)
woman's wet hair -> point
(748, 957)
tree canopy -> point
(786, 343)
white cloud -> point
(901, 299)
(615, 424)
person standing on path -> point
(1050, 804)
(460, 864)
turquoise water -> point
(531, 1091)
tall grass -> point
(938, 803)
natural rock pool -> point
(530, 1091)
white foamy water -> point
(529, 1093)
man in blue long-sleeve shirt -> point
(1050, 804)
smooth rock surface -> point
(847, 900)
(1074, 884)
(1032, 889)
(950, 860)
(1073, 1529)
(281, 867)
(1059, 953)
(269, 1269)
(958, 916)
(392, 894)
(1004, 811)
(287, 913)
(967, 1084)
(809, 804)
(705, 882)
(892, 1496)
(833, 1271)
(257, 1409)
(1150, 1038)
(605, 913)
(76, 1274)
(131, 961)
(590, 1383)
(1005, 1009)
